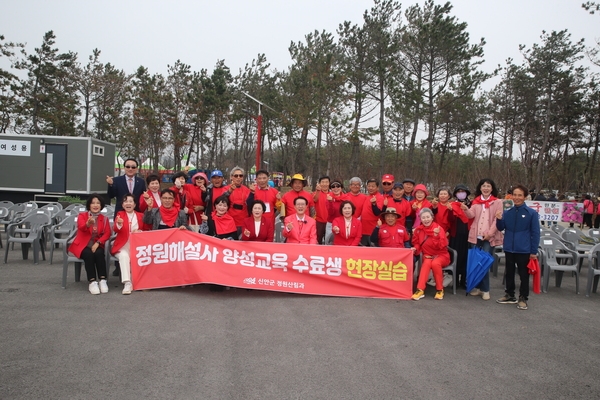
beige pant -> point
(125, 263)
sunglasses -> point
(238, 175)
(386, 183)
(198, 178)
(130, 166)
(335, 185)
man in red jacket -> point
(263, 192)
(297, 184)
(299, 227)
(371, 210)
(238, 194)
(322, 215)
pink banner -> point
(172, 257)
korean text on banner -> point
(172, 257)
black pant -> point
(95, 261)
(587, 220)
(321, 228)
(517, 261)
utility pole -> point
(258, 119)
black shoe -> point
(117, 272)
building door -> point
(56, 168)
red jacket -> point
(267, 196)
(238, 208)
(445, 217)
(288, 201)
(420, 205)
(426, 242)
(84, 233)
(194, 198)
(320, 200)
(333, 206)
(180, 200)
(355, 232)
(123, 233)
(393, 236)
(142, 202)
(403, 207)
(358, 200)
(306, 234)
(368, 218)
(265, 232)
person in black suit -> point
(125, 184)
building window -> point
(98, 150)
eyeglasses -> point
(386, 183)
(238, 175)
(335, 185)
(131, 166)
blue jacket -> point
(521, 226)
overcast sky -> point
(156, 33)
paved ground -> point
(192, 343)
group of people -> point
(399, 214)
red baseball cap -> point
(388, 178)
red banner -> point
(172, 257)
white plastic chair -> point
(593, 270)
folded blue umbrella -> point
(478, 264)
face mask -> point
(461, 195)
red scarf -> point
(223, 224)
(168, 215)
(484, 203)
(428, 230)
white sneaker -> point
(447, 280)
(103, 286)
(431, 282)
(485, 295)
(93, 288)
(475, 292)
(127, 288)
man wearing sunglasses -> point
(238, 194)
(387, 184)
(120, 186)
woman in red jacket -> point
(430, 240)
(126, 221)
(196, 195)
(153, 183)
(347, 229)
(257, 228)
(93, 230)
(443, 211)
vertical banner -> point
(172, 257)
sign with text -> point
(15, 148)
(558, 211)
(172, 257)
